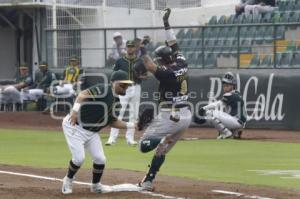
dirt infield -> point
(12, 186)
(30, 188)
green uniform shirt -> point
(25, 79)
(43, 79)
(235, 104)
(96, 111)
(127, 65)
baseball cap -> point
(117, 34)
(43, 64)
(23, 66)
(121, 77)
(130, 43)
(73, 58)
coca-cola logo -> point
(264, 106)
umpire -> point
(91, 112)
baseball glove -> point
(200, 118)
(145, 117)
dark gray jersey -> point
(235, 104)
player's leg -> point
(114, 132)
(94, 147)
(76, 146)
(224, 123)
(173, 132)
(134, 104)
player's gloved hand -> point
(166, 18)
(146, 40)
(167, 14)
(202, 112)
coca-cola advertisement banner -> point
(271, 96)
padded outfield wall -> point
(272, 96)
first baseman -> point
(92, 111)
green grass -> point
(213, 160)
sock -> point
(97, 172)
(72, 170)
(156, 163)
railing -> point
(217, 46)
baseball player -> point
(66, 86)
(133, 93)
(170, 69)
(227, 114)
(14, 93)
(71, 74)
(43, 79)
(91, 112)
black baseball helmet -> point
(164, 55)
(229, 78)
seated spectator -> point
(141, 42)
(13, 93)
(118, 48)
(260, 7)
(67, 85)
(43, 80)
(240, 8)
(71, 74)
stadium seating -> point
(255, 42)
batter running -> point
(170, 69)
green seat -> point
(222, 20)
(180, 34)
(230, 19)
(266, 18)
(210, 61)
(266, 62)
(218, 46)
(256, 18)
(284, 60)
(245, 46)
(213, 20)
(280, 32)
(255, 61)
(192, 59)
(269, 34)
(295, 62)
(284, 17)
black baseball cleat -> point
(146, 186)
(237, 134)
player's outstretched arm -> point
(149, 64)
(170, 35)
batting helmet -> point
(229, 78)
(164, 55)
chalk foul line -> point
(114, 188)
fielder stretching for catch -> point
(91, 112)
(228, 114)
(174, 115)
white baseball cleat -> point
(226, 134)
(100, 188)
(110, 142)
(131, 142)
(67, 185)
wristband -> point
(76, 107)
(130, 125)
